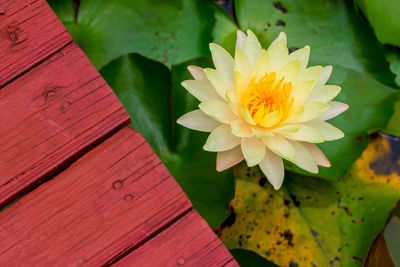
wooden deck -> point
(87, 189)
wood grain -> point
(29, 32)
(188, 242)
(116, 199)
(113, 198)
(50, 116)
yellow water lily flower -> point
(264, 106)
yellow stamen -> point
(268, 100)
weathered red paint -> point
(49, 116)
(116, 201)
(188, 242)
(29, 32)
(110, 200)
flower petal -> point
(253, 150)
(262, 65)
(310, 74)
(304, 159)
(278, 52)
(241, 129)
(273, 169)
(305, 133)
(329, 131)
(286, 128)
(318, 155)
(220, 82)
(218, 110)
(223, 61)
(241, 83)
(280, 146)
(198, 121)
(324, 76)
(302, 55)
(229, 158)
(295, 113)
(197, 73)
(242, 64)
(271, 119)
(202, 90)
(336, 108)
(246, 115)
(240, 39)
(252, 47)
(233, 102)
(311, 111)
(221, 139)
(301, 91)
(261, 132)
(324, 93)
(290, 72)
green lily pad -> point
(384, 18)
(224, 31)
(155, 99)
(393, 56)
(315, 222)
(170, 32)
(393, 127)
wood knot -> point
(2, 11)
(15, 35)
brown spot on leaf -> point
(280, 23)
(230, 220)
(357, 258)
(361, 138)
(279, 6)
(288, 236)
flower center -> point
(268, 100)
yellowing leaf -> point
(315, 222)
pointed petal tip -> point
(218, 169)
(191, 68)
(283, 36)
(212, 46)
(328, 165)
(276, 186)
(250, 32)
(252, 162)
(206, 148)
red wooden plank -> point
(50, 116)
(112, 199)
(29, 32)
(188, 242)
